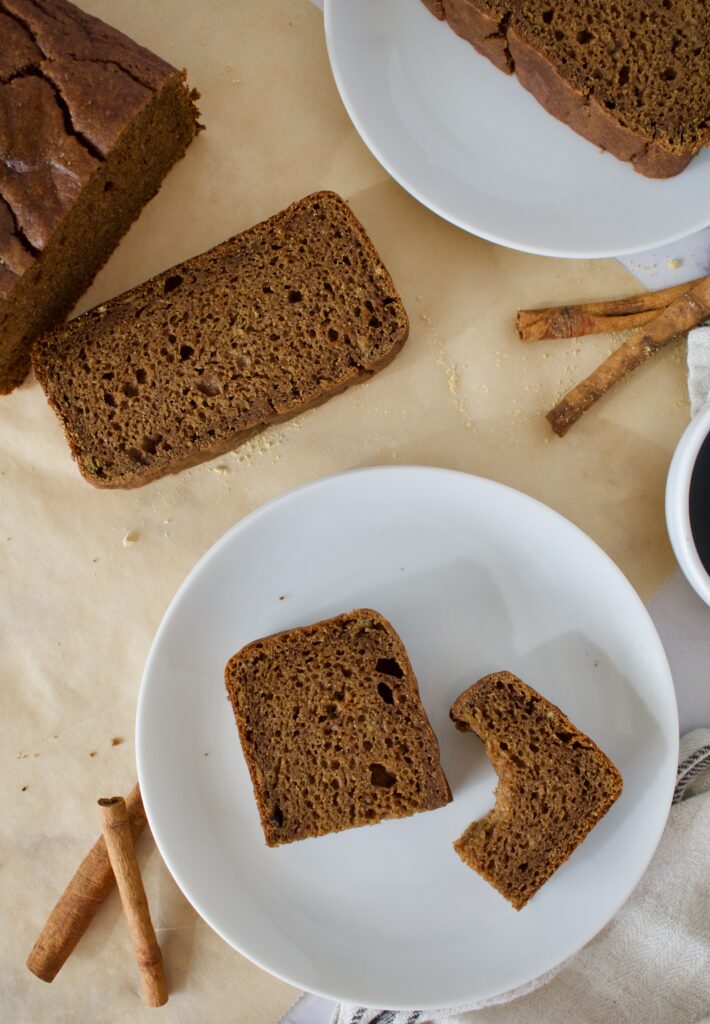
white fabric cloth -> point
(651, 964)
(699, 367)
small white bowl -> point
(677, 503)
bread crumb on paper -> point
(117, 740)
(130, 537)
(674, 264)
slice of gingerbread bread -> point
(198, 359)
(90, 123)
(630, 77)
(554, 785)
(333, 729)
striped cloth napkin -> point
(699, 368)
(651, 964)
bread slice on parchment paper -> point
(201, 357)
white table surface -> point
(681, 618)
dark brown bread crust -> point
(199, 358)
(501, 32)
(332, 728)
(436, 7)
(482, 28)
(554, 785)
(90, 122)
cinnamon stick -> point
(682, 314)
(116, 828)
(82, 897)
(595, 317)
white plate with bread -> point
(475, 578)
(474, 146)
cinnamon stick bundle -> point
(685, 312)
(596, 317)
(121, 852)
(82, 897)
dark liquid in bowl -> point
(699, 503)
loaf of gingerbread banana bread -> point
(90, 123)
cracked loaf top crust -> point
(631, 77)
(69, 86)
(197, 359)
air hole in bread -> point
(385, 692)
(277, 817)
(151, 442)
(135, 455)
(389, 667)
(171, 283)
(379, 776)
(185, 352)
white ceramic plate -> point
(471, 144)
(475, 577)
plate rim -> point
(400, 469)
(437, 208)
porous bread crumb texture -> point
(333, 729)
(90, 123)
(199, 358)
(646, 64)
(554, 785)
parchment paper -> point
(87, 575)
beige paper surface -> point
(79, 607)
